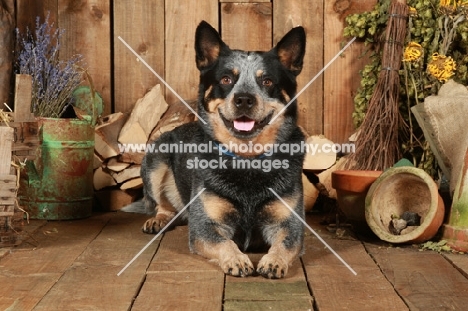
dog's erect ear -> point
(291, 49)
(208, 45)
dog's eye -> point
(267, 82)
(226, 80)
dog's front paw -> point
(272, 266)
(238, 265)
(156, 223)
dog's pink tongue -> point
(244, 125)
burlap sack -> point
(443, 118)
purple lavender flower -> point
(53, 80)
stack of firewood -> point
(117, 161)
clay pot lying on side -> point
(399, 190)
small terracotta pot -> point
(402, 189)
(351, 190)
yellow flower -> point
(412, 11)
(448, 3)
(413, 52)
(463, 5)
(441, 67)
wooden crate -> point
(25, 140)
(11, 217)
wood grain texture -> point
(175, 255)
(7, 198)
(28, 10)
(87, 26)
(141, 24)
(341, 79)
(247, 26)
(243, 1)
(309, 14)
(180, 280)
(6, 143)
(334, 287)
(26, 276)
(181, 290)
(425, 280)
(460, 261)
(95, 269)
(23, 95)
(182, 18)
(259, 293)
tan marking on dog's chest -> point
(278, 211)
(216, 207)
(164, 189)
(156, 177)
(171, 192)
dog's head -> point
(241, 92)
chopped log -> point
(131, 157)
(135, 183)
(114, 199)
(325, 176)
(97, 162)
(127, 174)
(311, 193)
(176, 115)
(23, 95)
(115, 165)
(102, 179)
(320, 155)
(144, 117)
(106, 135)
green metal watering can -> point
(58, 184)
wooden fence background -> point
(162, 32)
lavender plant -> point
(53, 80)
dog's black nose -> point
(244, 101)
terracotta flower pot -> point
(351, 190)
(399, 190)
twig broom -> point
(377, 145)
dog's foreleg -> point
(283, 251)
(211, 235)
(161, 190)
(285, 234)
(226, 253)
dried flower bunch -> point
(53, 80)
(436, 50)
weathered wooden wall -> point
(162, 32)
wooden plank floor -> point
(73, 265)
